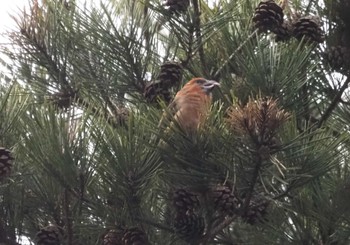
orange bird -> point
(191, 104)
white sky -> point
(10, 7)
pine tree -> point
(83, 159)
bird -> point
(191, 103)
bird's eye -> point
(201, 81)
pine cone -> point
(170, 74)
(177, 6)
(5, 162)
(309, 28)
(283, 32)
(256, 211)
(49, 235)
(189, 226)
(268, 16)
(184, 201)
(134, 236)
(154, 91)
(225, 200)
(113, 237)
(338, 57)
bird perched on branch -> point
(191, 104)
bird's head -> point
(201, 83)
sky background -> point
(12, 7)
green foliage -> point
(92, 155)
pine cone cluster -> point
(268, 16)
(5, 162)
(49, 235)
(125, 236)
(170, 75)
(225, 199)
(338, 57)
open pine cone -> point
(309, 28)
(49, 235)
(268, 16)
(170, 74)
(225, 200)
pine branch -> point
(254, 180)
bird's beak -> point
(210, 84)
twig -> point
(254, 180)
(334, 103)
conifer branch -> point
(253, 183)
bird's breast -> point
(192, 110)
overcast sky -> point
(9, 8)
